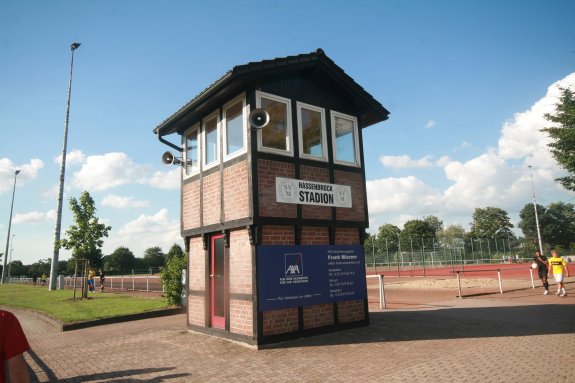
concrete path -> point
(485, 338)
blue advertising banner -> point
(294, 276)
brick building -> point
(274, 218)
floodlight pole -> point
(9, 227)
(54, 266)
(535, 208)
(10, 261)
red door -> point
(217, 282)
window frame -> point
(289, 128)
(204, 150)
(196, 127)
(302, 105)
(241, 98)
(357, 162)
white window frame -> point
(300, 106)
(203, 152)
(357, 162)
(289, 128)
(195, 128)
(228, 156)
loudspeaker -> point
(169, 159)
(259, 118)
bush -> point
(171, 277)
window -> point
(311, 127)
(277, 135)
(345, 139)
(211, 143)
(192, 151)
(234, 128)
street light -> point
(535, 208)
(9, 227)
(10, 261)
(54, 266)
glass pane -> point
(274, 135)
(344, 140)
(234, 128)
(192, 153)
(311, 132)
(219, 270)
(211, 152)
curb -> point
(120, 319)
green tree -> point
(122, 261)
(154, 257)
(85, 237)
(491, 222)
(556, 223)
(40, 267)
(388, 238)
(563, 136)
(434, 222)
(175, 251)
(17, 269)
(451, 236)
(413, 232)
(171, 277)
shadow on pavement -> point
(453, 323)
(43, 373)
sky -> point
(467, 84)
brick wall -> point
(197, 282)
(356, 182)
(240, 258)
(280, 321)
(318, 316)
(236, 192)
(212, 201)
(347, 236)
(267, 173)
(314, 236)
(350, 311)
(191, 205)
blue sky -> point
(466, 82)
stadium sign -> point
(312, 193)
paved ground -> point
(424, 337)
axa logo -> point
(293, 264)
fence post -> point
(500, 284)
(459, 286)
(147, 283)
(532, 281)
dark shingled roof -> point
(316, 58)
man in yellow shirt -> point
(558, 268)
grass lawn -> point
(60, 304)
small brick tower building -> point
(274, 217)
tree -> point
(175, 251)
(414, 231)
(388, 238)
(85, 237)
(491, 222)
(434, 222)
(122, 261)
(171, 277)
(556, 223)
(452, 235)
(154, 257)
(563, 136)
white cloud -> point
(73, 157)
(430, 124)
(169, 180)
(405, 161)
(146, 231)
(28, 172)
(395, 195)
(34, 217)
(123, 202)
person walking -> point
(542, 269)
(102, 280)
(560, 271)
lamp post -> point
(10, 261)
(9, 227)
(54, 266)
(535, 209)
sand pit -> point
(445, 283)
